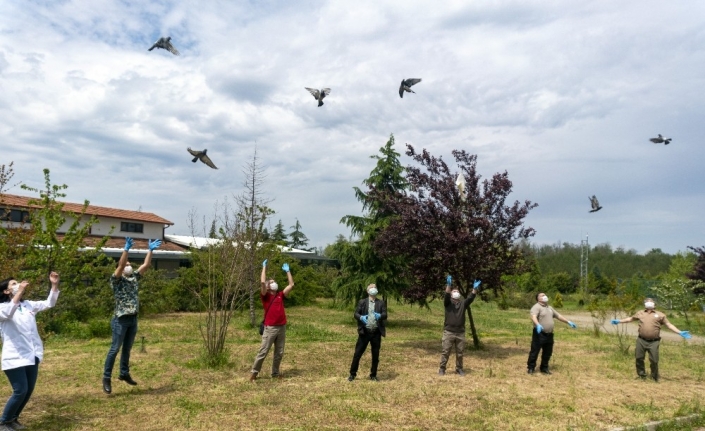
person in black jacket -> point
(454, 325)
(370, 314)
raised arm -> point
(289, 278)
(153, 245)
(473, 294)
(625, 320)
(263, 279)
(123, 258)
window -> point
(17, 216)
(131, 227)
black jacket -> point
(455, 313)
(361, 310)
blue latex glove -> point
(539, 328)
(128, 243)
(615, 321)
(476, 284)
(154, 244)
(264, 264)
(449, 280)
(572, 325)
(378, 316)
(363, 319)
(686, 335)
(285, 267)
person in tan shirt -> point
(650, 322)
(542, 316)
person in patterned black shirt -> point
(125, 285)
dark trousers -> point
(642, 347)
(372, 338)
(124, 332)
(544, 343)
(23, 380)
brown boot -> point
(253, 377)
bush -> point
(558, 300)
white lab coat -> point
(20, 340)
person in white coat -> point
(22, 348)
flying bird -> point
(406, 85)
(660, 140)
(201, 155)
(319, 95)
(460, 183)
(595, 204)
(165, 43)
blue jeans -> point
(124, 332)
(22, 380)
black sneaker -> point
(460, 372)
(529, 371)
(128, 379)
(351, 378)
(441, 372)
(16, 425)
(546, 372)
(107, 387)
(374, 378)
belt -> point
(650, 339)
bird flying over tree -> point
(201, 155)
(165, 43)
(660, 140)
(319, 94)
(406, 85)
(595, 204)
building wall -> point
(150, 230)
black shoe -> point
(107, 387)
(642, 378)
(546, 372)
(128, 379)
(374, 378)
(460, 372)
(655, 378)
(441, 372)
(351, 378)
(529, 371)
(15, 425)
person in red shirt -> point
(274, 321)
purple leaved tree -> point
(440, 228)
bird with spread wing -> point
(165, 43)
(660, 140)
(406, 85)
(319, 94)
(201, 155)
(595, 204)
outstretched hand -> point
(154, 244)
(476, 284)
(264, 263)
(449, 280)
(285, 267)
(614, 321)
(686, 335)
(128, 243)
(572, 325)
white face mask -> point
(544, 298)
(373, 291)
(650, 305)
(127, 271)
(455, 295)
(273, 286)
(15, 288)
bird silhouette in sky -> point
(319, 94)
(595, 204)
(201, 155)
(165, 43)
(406, 85)
(660, 140)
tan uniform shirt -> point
(650, 322)
(544, 314)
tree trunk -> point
(473, 330)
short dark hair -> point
(537, 295)
(3, 287)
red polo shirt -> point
(274, 313)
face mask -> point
(545, 298)
(649, 305)
(455, 295)
(273, 286)
(15, 288)
(373, 291)
(127, 271)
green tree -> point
(676, 290)
(359, 260)
(278, 235)
(298, 239)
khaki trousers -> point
(273, 335)
(450, 340)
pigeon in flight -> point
(319, 95)
(164, 43)
(201, 155)
(660, 140)
(595, 204)
(406, 85)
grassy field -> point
(592, 386)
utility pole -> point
(584, 251)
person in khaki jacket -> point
(542, 316)
(650, 322)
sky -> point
(564, 96)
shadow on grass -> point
(143, 391)
(486, 350)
